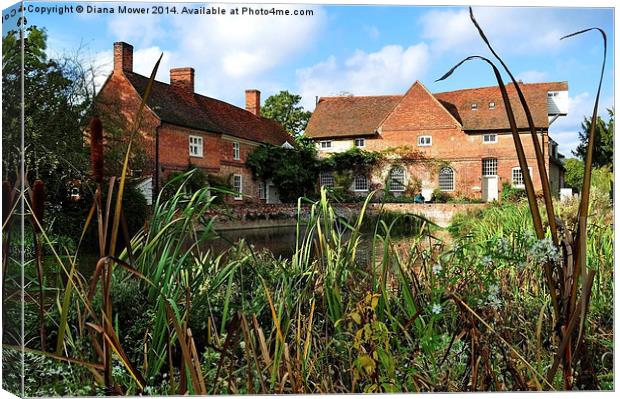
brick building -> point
(181, 127)
(458, 141)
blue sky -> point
(363, 50)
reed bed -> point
(506, 301)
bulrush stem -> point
(38, 208)
(96, 148)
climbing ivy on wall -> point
(294, 171)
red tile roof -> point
(356, 116)
(195, 111)
(459, 103)
(349, 116)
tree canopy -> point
(285, 109)
(293, 171)
(57, 98)
(603, 141)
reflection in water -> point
(281, 242)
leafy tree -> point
(573, 176)
(293, 171)
(57, 97)
(603, 141)
(285, 109)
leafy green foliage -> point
(284, 108)
(573, 176)
(355, 160)
(195, 181)
(603, 140)
(511, 193)
(293, 171)
(57, 95)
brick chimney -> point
(123, 57)
(252, 101)
(182, 78)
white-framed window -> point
(262, 190)
(474, 106)
(326, 144)
(425, 141)
(489, 167)
(236, 151)
(517, 177)
(490, 138)
(238, 186)
(397, 179)
(446, 179)
(360, 142)
(195, 146)
(491, 104)
(326, 180)
(360, 183)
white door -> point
(490, 190)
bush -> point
(440, 196)
(197, 180)
(512, 194)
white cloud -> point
(230, 53)
(514, 30)
(139, 30)
(533, 76)
(236, 53)
(565, 130)
(392, 69)
(372, 31)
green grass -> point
(322, 321)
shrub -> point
(512, 194)
(440, 196)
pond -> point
(281, 241)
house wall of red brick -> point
(461, 151)
(118, 101)
(420, 114)
(118, 104)
(174, 149)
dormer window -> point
(425, 141)
(492, 105)
(489, 138)
(474, 106)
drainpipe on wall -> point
(155, 182)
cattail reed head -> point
(7, 202)
(96, 148)
(38, 203)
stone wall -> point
(267, 214)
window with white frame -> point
(446, 179)
(424, 141)
(326, 144)
(489, 167)
(397, 179)
(517, 177)
(262, 190)
(195, 146)
(238, 186)
(492, 105)
(360, 183)
(326, 180)
(236, 151)
(474, 106)
(490, 138)
(360, 142)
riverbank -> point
(286, 215)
